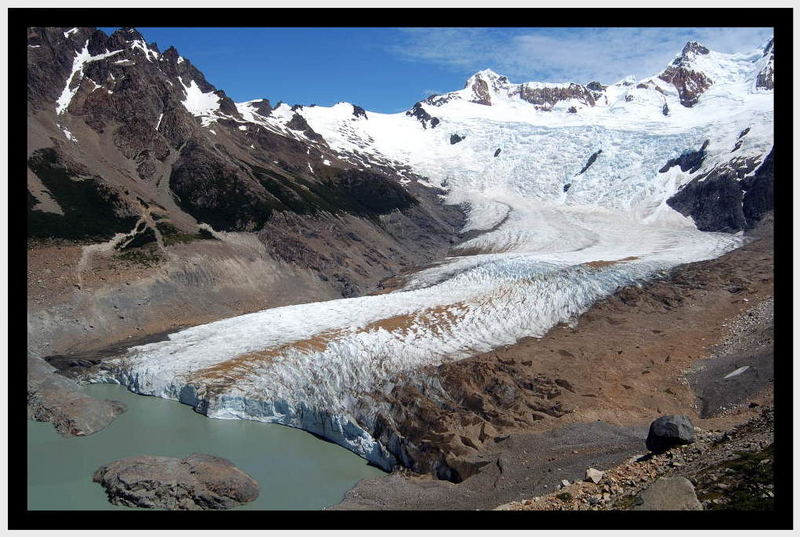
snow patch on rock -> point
(73, 80)
(197, 103)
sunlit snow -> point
(68, 134)
(199, 104)
(141, 45)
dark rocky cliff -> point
(729, 197)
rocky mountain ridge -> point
(685, 100)
(684, 73)
(170, 95)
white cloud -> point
(564, 54)
(429, 92)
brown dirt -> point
(431, 318)
(51, 271)
(602, 263)
(222, 375)
(625, 358)
(117, 299)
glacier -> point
(545, 254)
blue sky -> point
(389, 69)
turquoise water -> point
(295, 469)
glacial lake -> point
(295, 469)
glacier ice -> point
(309, 365)
(305, 365)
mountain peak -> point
(693, 47)
(691, 50)
(628, 80)
(262, 106)
(484, 84)
(487, 75)
(684, 74)
(129, 33)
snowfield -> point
(554, 242)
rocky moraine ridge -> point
(155, 202)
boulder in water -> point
(198, 482)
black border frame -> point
(778, 18)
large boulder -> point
(669, 431)
(198, 482)
(668, 494)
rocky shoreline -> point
(59, 400)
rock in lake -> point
(669, 431)
(198, 482)
(668, 494)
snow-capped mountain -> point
(570, 191)
(636, 125)
(701, 95)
